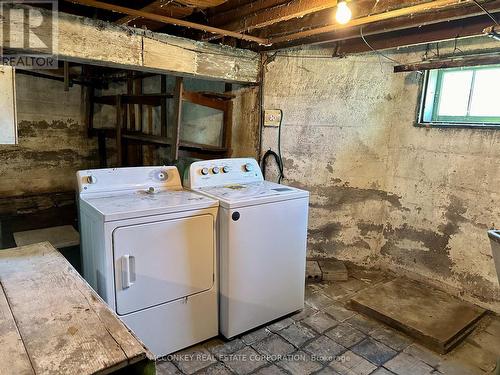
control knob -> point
(91, 179)
(248, 167)
(226, 169)
(215, 170)
(204, 171)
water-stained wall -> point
(53, 142)
(384, 192)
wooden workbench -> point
(52, 322)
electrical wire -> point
(277, 156)
(377, 51)
(486, 12)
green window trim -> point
(430, 103)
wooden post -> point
(118, 133)
(228, 128)
(179, 88)
(163, 120)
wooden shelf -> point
(164, 141)
(147, 99)
(130, 131)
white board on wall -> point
(8, 112)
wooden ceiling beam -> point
(359, 8)
(168, 20)
(278, 13)
(490, 59)
(448, 30)
(239, 11)
(203, 4)
(155, 6)
(401, 23)
(425, 7)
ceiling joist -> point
(165, 9)
(465, 11)
(425, 7)
(168, 20)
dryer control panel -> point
(221, 172)
(133, 178)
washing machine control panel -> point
(223, 172)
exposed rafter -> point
(168, 20)
(449, 30)
(432, 5)
(278, 13)
(466, 11)
(166, 10)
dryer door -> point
(162, 261)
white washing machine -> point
(262, 242)
(149, 250)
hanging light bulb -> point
(343, 14)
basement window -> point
(461, 97)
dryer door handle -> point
(128, 271)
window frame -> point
(430, 99)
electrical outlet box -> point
(272, 117)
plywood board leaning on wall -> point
(8, 119)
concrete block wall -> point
(384, 192)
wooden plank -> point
(168, 20)
(202, 3)
(279, 13)
(425, 7)
(227, 130)
(59, 237)
(118, 130)
(200, 99)
(164, 107)
(165, 141)
(238, 11)
(64, 324)
(458, 13)
(159, 7)
(410, 37)
(490, 59)
(12, 351)
(178, 96)
(436, 319)
(96, 42)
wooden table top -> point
(52, 321)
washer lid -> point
(239, 195)
(126, 205)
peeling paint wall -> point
(53, 142)
(384, 192)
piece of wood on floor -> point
(64, 325)
(12, 352)
(59, 237)
(333, 270)
(313, 272)
(436, 319)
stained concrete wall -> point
(53, 143)
(384, 192)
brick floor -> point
(328, 338)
